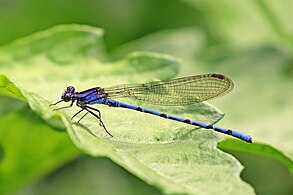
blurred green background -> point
(225, 25)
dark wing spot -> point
(219, 76)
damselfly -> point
(176, 92)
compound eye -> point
(67, 98)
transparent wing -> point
(176, 92)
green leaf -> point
(8, 88)
(172, 156)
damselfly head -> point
(68, 93)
